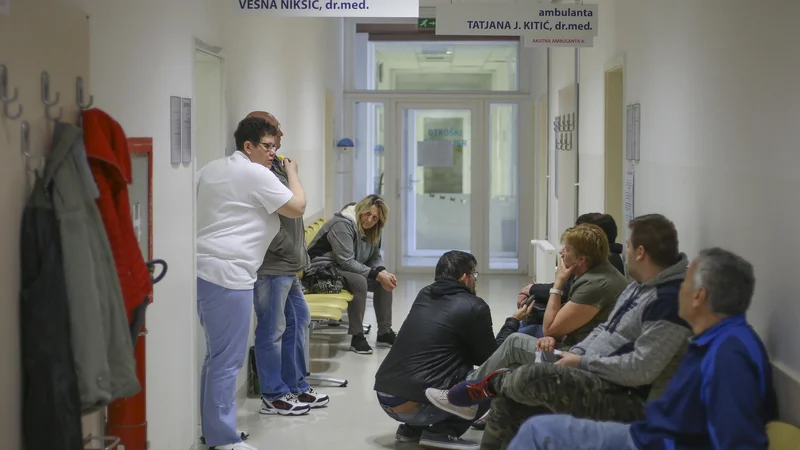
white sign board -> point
(435, 153)
(537, 41)
(5, 7)
(630, 171)
(175, 111)
(529, 19)
(329, 8)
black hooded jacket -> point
(447, 332)
(615, 256)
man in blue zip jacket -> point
(721, 397)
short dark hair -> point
(253, 129)
(606, 223)
(658, 236)
(455, 263)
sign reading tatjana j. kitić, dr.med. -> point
(330, 8)
(540, 24)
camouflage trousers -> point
(544, 388)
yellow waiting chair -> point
(783, 436)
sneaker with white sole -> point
(242, 434)
(288, 405)
(313, 398)
(438, 398)
(237, 446)
(446, 441)
(359, 345)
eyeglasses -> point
(475, 274)
(267, 145)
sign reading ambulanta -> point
(330, 8)
(539, 24)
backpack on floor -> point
(253, 388)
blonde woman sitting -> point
(351, 239)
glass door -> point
(440, 144)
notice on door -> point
(435, 153)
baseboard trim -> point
(787, 385)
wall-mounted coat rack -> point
(46, 98)
(5, 98)
(564, 125)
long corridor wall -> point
(716, 81)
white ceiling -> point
(445, 56)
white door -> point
(450, 171)
(437, 206)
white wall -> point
(285, 70)
(142, 53)
(719, 140)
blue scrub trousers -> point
(225, 316)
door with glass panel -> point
(458, 183)
(439, 145)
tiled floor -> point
(353, 420)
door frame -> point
(479, 139)
(480, 179)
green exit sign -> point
(427, 24)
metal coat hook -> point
(4, 94)
(25, 143)
(46, 98)
(79, 95)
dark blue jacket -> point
(721, 397)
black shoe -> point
(359, 345)
(406, 433)
(386, 339)
(242, 434)
(446, 441)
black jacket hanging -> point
(51, 417)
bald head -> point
(272, 121)
(264, 115)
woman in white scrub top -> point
(237, 201)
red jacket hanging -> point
(110, 160)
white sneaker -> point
(438, 398)
(288, 405)
(313, 398)
(239, 446)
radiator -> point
(542, 261)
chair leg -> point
(341, 382)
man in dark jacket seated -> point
(447, 332)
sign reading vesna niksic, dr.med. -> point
(540, 24)
(330, 8)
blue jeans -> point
(563, 431)
(427, 416)
(225, 316)
(283, 318)
(533, 330)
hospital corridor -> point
(399, 224)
